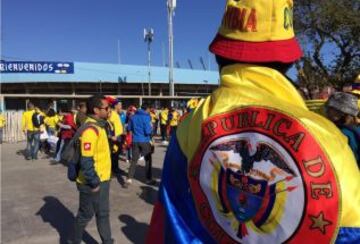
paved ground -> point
(39, 203)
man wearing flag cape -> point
(251, 164)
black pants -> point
(115, 161)
(141, 148)
(91, 203)
(163, 132)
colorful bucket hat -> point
(257, 31)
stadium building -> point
(47, 83)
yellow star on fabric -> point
(319, 222)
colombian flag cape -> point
(252, 164)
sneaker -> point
(127, 183)
(150, 182)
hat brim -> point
(284, 51)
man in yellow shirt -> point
(164, 116)
(154, 120)
(2, 125)
(51, 120)
(174, 118)
(115, 132)
(32, 133)
(93, 181)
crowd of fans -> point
(49, 131)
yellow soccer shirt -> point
(116, 126)
(52, 121)
(175, 119)
(94, 143)
(164, 116)
(26, 121)
(153, 117)
(116, 123)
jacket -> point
(115, 129)
(69, 123)
(95, 162)
(252, 164)
(140, 126)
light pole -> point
(149, 37)
(171, 4)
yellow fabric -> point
(192, 103)
(26, 121)
(317, 106)
(357, 79)
(2, 121)
(96, 145)
(245, 85)
(153, 117)
(116, 126)
(175, 118)
(164, 116)
(52, 121)
(258, 21)
(116, 123)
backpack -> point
(72, 153)
(37, 119)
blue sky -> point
(89, 30)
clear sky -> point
(89, 30)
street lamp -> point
(171, 4)
(149, 37)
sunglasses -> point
(106, 108)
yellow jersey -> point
(26, 121)
(164, 116)
(51, 122)
(153, 117)
(175, 118)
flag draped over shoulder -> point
(252, 164)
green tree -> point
(329, 32)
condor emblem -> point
(260, 176)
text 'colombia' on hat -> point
(257, 31)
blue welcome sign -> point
(36, 67)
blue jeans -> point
(91, 203)
(33, 142)
(51, 131)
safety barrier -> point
(12, 132)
